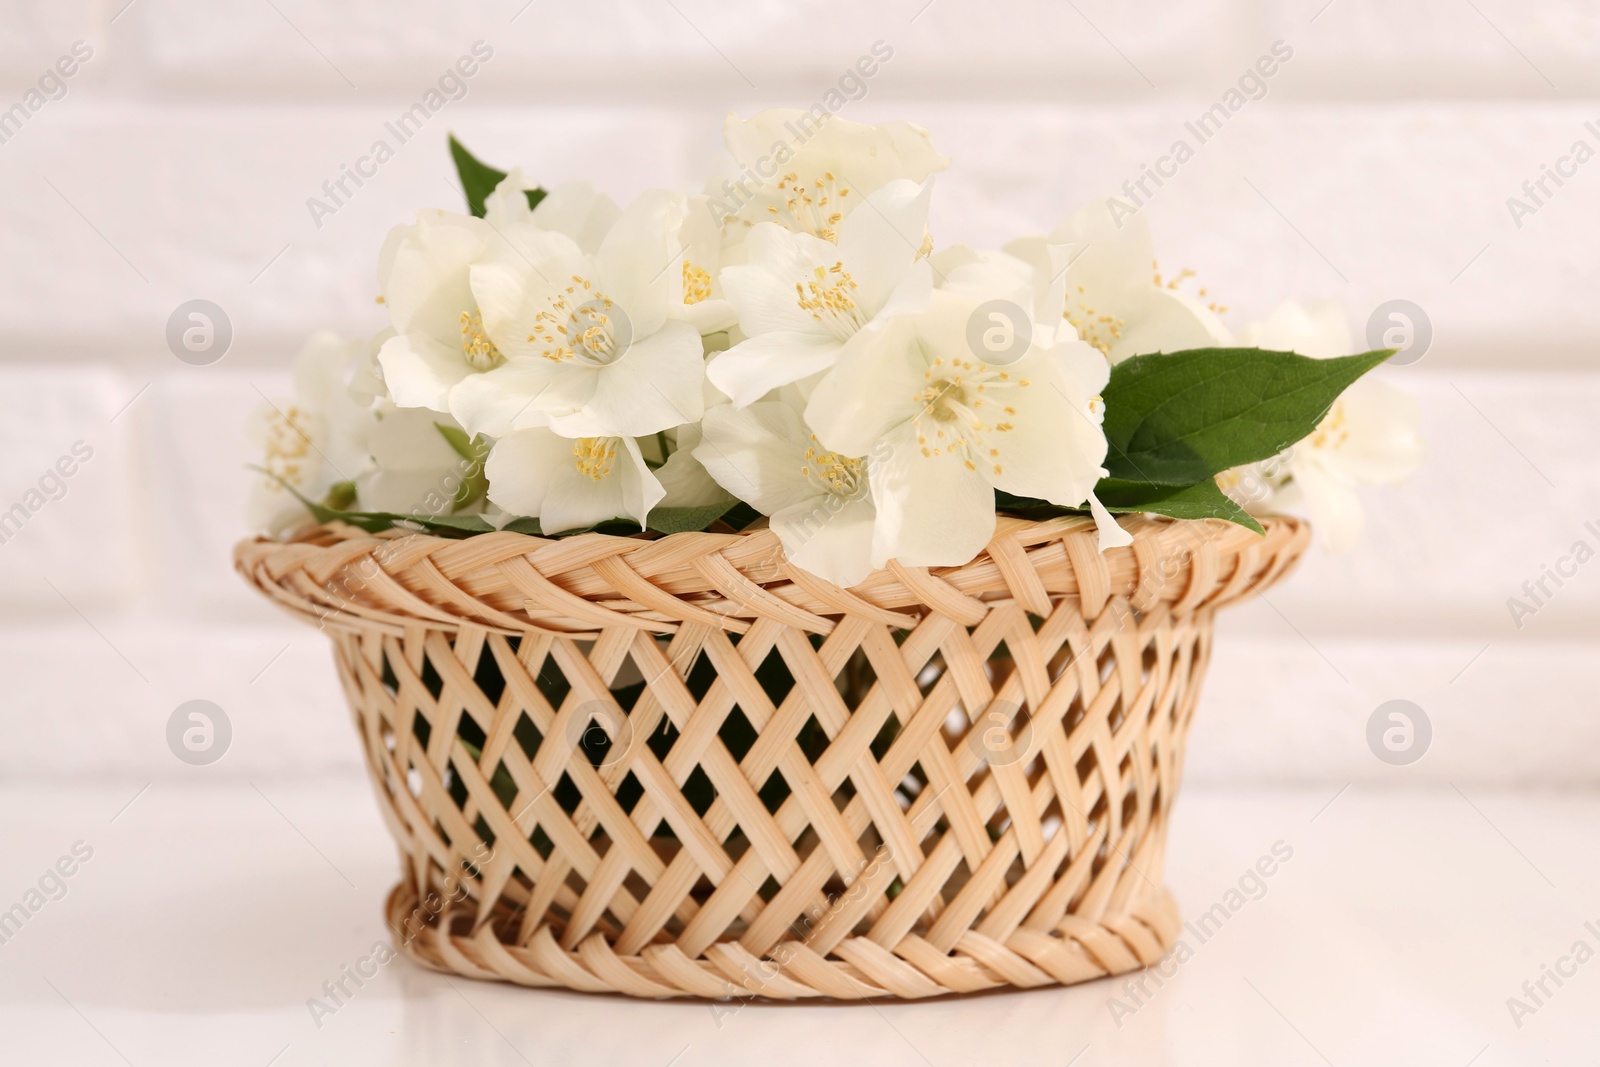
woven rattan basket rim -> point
(338, 575)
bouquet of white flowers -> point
(667, 757)
(792, 347)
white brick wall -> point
(1378, 164)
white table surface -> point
(211, 912)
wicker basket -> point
(681, 767)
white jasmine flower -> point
(788, 338)
(999, 276)
(571, 483)
(574, 208)
(994, 274)
(585, 341)
(314, 443)
(423, 274)
(952, 429)
(702, 301)
(802, 300)
(1368, 437)
(414, 470)
(818, 502)
(1102, 279)
(807, 173)
(684, 478)
(366, 377)
(1318, 330)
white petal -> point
(879, 241)
(915, 157)
(754, 367)
(644, 490)
(1047, 263)
(873, 388)
(507, 206)
(707, 316)
(635, 264)
(513, 396)
(1329, 502)
(684, 479)
(1164, 320)
(1055, 447)
(366, 376)
(419, 494)
(863, 158)
(653, 386)
(576, 500)
(521, 467)
(911, 294)
(1109, 255)
(577, 210)
(1319, 330)
(420, 372)
(1108, 272)
(423, 272)
(322, 369)
(763, 289)
(1381, 445)
(990, 273)
(1111, 535)
(408, 439)
(1255, 486)
(831, 540)
(756, 453)
(932, 511)
(535, 472)
(519, 283)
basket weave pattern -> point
(976, 763)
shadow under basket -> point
(682, 767)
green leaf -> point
(467, 524)
(474, 481)
(462, 444)
(1178, 419)
(684, 520)
(478, 179)
(662, 520)
(1200, 501)
(524, 526)
(378, 521)
(1027, 507)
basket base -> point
(858, 968)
